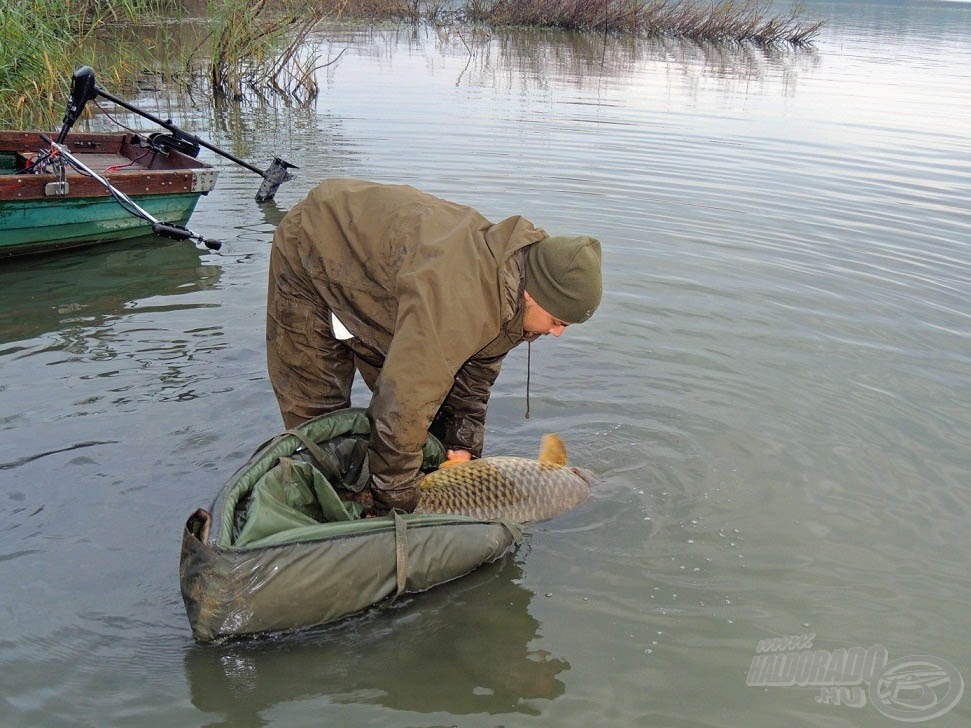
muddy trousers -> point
(310, 369)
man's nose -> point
(557, 330)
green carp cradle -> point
(502, 487)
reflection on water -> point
(69, 291)
(545, 58)
(432, 640)
(272, 213)
(83, 336)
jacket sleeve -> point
(460, 423)
(430, 344)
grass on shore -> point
(43, 41)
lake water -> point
(776, 391)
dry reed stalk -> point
(725, 20)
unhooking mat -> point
(281, 550)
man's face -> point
(537, 320)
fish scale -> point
(517, 489)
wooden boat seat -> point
(102, 163)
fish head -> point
(587, 476)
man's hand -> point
(454, 457)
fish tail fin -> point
(552, 450)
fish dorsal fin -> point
(552, 450)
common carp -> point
(518, 489)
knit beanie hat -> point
(563, 276)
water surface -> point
(775, 390)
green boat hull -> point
(50, 208)
(34, 226)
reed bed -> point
(43, 41)
(264, 48)
(742, 21)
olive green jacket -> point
(433, 295)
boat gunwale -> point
(172, 173)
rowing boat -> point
(64, 208)
(86, 188)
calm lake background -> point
(776, 389)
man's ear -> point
(527, 297)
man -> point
(424, 298)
